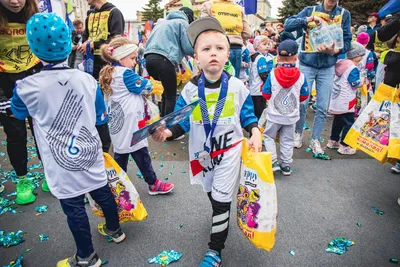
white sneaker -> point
(315, 146)
(346, 150)
(179, 137)
(333, 144)
(298, 140)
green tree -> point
(153, 11)
(361, 9)
(292, 7)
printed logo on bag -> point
(112, 175)
(250, 177)
(385, 106)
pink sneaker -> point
(346, 150)
(333, 144)
(160, 188)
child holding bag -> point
(124, 90)
(215, 137)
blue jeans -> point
(236, 59)
(324, 84)
(142, 160)
(78, 220)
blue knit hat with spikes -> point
(49, 37)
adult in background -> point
(372, 23)
(16, 62)
(104, 23)
(318, 66)
(167, 45)
(76, 57)
(234, 22)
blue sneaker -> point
(211, 259)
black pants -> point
(341, 125)
(78, 220)
(15, 131)
(259, 105)
(105, 137)
(220, 224)
(99, 63)
(142, 160)
(161, 69)
(392, 75)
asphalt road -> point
(322, 200)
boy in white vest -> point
(343, 98)
(65, 104)
(215, 128)
(260, 68)
(285, 88)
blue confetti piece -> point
(305, 127)
(6, 205)
(308, 149)
(165, 257)
(377, 211)
(2, 154)
(11, 239)
(16, 263)
(139, 175)
(183, 172)
(165, 145)
(4, 143)
(322, 156)
(292, 252)
(339, 245)
(104, 262)
(43, 237)
(161, 157)
(12, 194)
(41, 209)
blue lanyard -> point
(209, 129)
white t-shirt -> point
(126, 109)
(62, 105)
(220, 176)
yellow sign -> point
(229, 15)
(15, 54)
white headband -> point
(123, 51)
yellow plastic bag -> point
(370, 132)
(257, 203)
(129, 205)
(394, 139)
(158, 89)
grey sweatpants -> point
(286, 141)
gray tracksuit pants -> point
(286, 141)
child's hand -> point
(255, 140)
(161, 134)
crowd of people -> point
(81, 93)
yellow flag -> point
(70, 8)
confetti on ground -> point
(41, 209)
(394, 260)
(292, 252)
(305, 127)
(165, 145)
(139, 175)
(170, 173)
(11, 239)
(43, 237)
(16, 263)
(12, 194)
(308, 150)
(358, 224)
(322, 156)
(109, 239)
(339, 245)
(377, 211)
(2, 154)
(6, 206)
(4, 143)
(183, 172)
(183, 148)
(174, 154)
(329, 181)
(180, 226)
(166, 257)
(161, 157)
(165, 178)
(104, 262)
